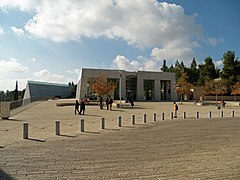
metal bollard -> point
(210, 114)
(102, 123)
(145, 118)
(154, 117)
(163, 116)
(25, 130)
(57, 127)
(171, 115)
(133, 119)
(184, 115)
(119, 121)
(197, 115)
(232, 113)
(82, 125)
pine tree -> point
(16, 92)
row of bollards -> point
(119, 123)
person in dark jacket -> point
(82, 107)
(77, 107)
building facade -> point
(35, 89)
(141, 85)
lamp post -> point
(120, 89)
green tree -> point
(230, 71)
(207, 71)
(193, 72)
(16, 92)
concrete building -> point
(142, 85)
(45, 90)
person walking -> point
(107, 103)
(82, 107)
(77, 107)
(110, 103)
(101, 101)
(175, 108)
(131, 101)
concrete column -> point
(210, 114)
(157, 90)
(140, 89)
(5, 110)
(102, 123)
(197, 115)
(119, 121)
(221, 114)
(133, 119)
(25, 130)
(144, 118)
(57, 123)
(154, 117)
(82, 125)
(184, 115)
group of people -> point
(109, 102)
(82, 107)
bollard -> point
(184, 115)
(133, 119)
(232, 113)
(119, 121)
(163, 116)
(154, 117)
(210, 114)
(145, 118)
(82, 125)
(102, 123)
(197, 115)
(171, 115)
(25, 130)
(57, 127)
(221, 114)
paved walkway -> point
(171, 149)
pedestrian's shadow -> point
(94, 115)
(12, 119)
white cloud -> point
(1, 30)
(9, 84)
(215, 41)
(143, 23)
(18, 31)
(11, 66)
(74, 71)
(141, 63)
(23, 5)
(121, 62)
(47, 76)
(33, 59)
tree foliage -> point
(201, 74)
(101, 86)
(183, 86)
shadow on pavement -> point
(4, 175)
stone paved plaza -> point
(191, 148)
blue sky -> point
(51, 41)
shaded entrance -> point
(165, 90)
(148, 90)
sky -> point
(50, 41)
